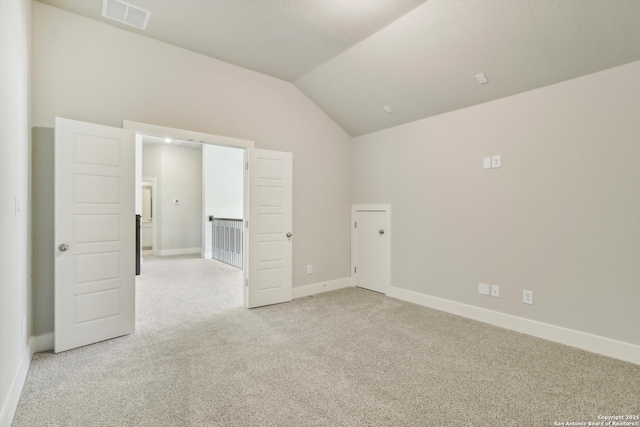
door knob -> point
(289, 234)
(63, 247)
(381, 231)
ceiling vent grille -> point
(126, 13)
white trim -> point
(183, 251)
(187, 135)
(316, 288)
(154, 208)
(42, 342)
(10, 405)
(593, 343)
(206, 254)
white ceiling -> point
(282, 38)
(351, 57)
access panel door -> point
(371, 247)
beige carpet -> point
(343, 358)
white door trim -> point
(187, 135)
(154, 209)
(376, 208)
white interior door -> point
(270, 232)
(371, 247)
(94, 233)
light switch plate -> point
(483, 288)
(496, 162)
(486, 163)
(309, 269)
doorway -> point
(94, 230)
(268, 218)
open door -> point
(270, 232)
(94, 233)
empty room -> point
(435, 216)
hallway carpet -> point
(344, 358)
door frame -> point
(154, 208)
(375, 208)
(204, 138)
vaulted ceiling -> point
(352, 57)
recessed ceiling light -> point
(167, 140)
(387, 109)
(482, 79)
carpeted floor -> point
(344, 358)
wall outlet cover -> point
(527, 297)
(496, 161)
(495, 291)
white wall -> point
(90, 71)
(561, 217)
(179, 176)
(15, 301)
(223, 179)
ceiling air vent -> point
(126, 13)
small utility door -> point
(371, 247)
(270, 227)
(94, 233)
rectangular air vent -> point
(126, 13)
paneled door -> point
(371, 247)
(270, 228)
(94, 233)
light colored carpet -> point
(344, 358)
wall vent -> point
(126, 13)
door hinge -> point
(355, 270)
(246, 282)
(355, 225)
(247, 225)
(247, 165)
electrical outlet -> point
(483, 288)
(309, 269)
(496, 161)
(527, 297)
(495, 291)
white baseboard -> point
(593, 343)
(316, 288)
(183, 251)
(205, 254)
(42, 342)
(10, 405)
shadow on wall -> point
(42, 179)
